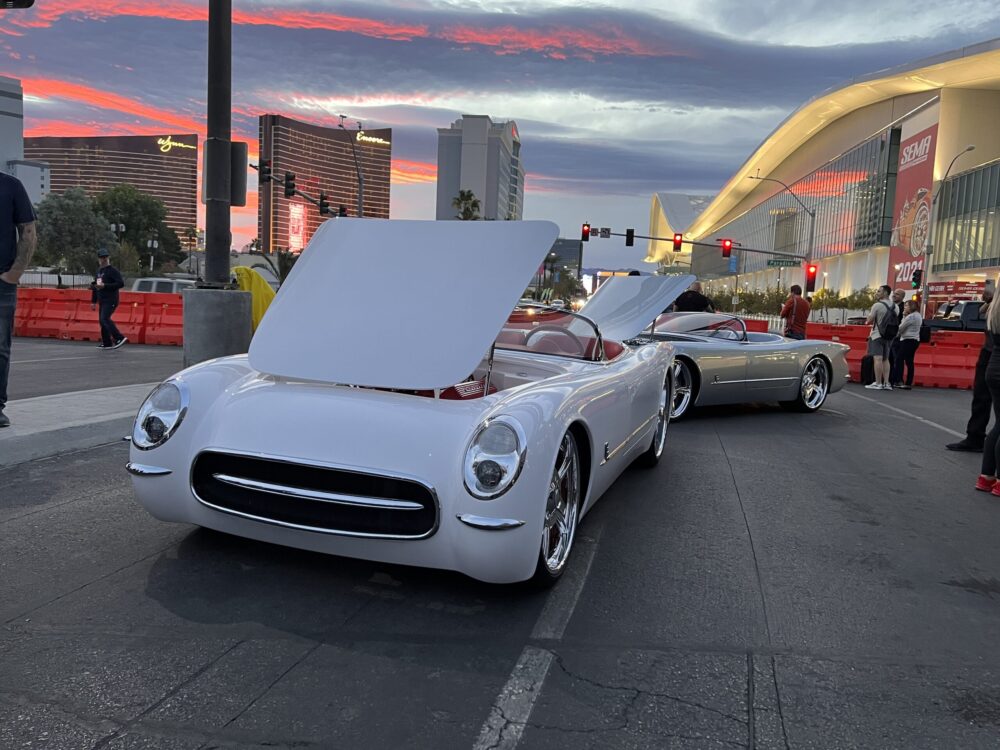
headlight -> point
(160, 415)
(494, 458)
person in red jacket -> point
(795, 313)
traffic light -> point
(727, 248)
(289, 184)
(264, 171)
(811, 272)
(678, 241)
(324, 205)
(585, 233)
(916, 278)
(341, 210)
(629, 237)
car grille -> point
(315, 498)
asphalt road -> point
(42, 367)
(779, 581)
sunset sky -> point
(614, 100)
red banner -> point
(955, 289)
(911, 216)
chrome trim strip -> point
(749, 380)
(333, 532)
(489, 524)
(142, 470)
(284, 490)
(611, 454)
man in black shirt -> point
(693, 301)
(107, 282)
(17, 243)
(982, 402)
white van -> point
(163, 285)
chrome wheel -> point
(815, 384)
(562, 508)
(683, 389)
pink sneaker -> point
(987, 485)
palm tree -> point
(467, 205)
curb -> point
(55, 442)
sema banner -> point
(911, 215)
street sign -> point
(783, 263)
(605, 233)
(733, 261)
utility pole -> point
(217, 319)
(220, 105)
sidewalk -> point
(49, 425)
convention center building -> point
(890, 174)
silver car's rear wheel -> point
(683, 389)
(562, 509)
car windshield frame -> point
(708, 325)
(561, 317)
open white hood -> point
(623, 306)
(398, 304)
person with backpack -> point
(885, 326)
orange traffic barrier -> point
(50, 313)
(164, 319)
(756, 326)
(27, 300)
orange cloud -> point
(55, 89)
(556, 41)
(405, 172)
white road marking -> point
(511, 710)
(54, 359)
(905, 413)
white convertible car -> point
(392, 408)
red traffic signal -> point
(811, 272)
(678, 241)
(727, 248)
(585, 233)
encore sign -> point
(166, 144)
(362, 138)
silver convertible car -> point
(720, 362)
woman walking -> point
(909, 342)
(987, 481)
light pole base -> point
(216, 324)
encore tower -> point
(322, 160)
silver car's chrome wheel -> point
(815, 384)
(562, 507)
(683, 389)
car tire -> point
(814, 387)
(685, 389)
(562, 514)
(651, 457)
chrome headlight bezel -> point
(172, 418)
(510, 463)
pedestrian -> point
(17, 244)
(987, 481)
(885, 326)
(895, 364)
(795, 313)
(692, 301)
(975, 430)
(909, 342)
(107, 282)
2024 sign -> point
(904, 271)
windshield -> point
(542, 330)
(702, 324)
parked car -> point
(451, 435)
(965, 315)
(164, 285)
(719, 362)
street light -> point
(151, 244)
(933, 225)
(812, 213)
(357, 166)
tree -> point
(144, 219)
(467, 205)
(280, 263)
(70, 232)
